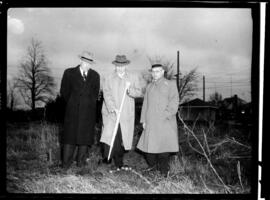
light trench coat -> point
(159, 110)
(113, 90)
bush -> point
(33, 157)
(225, 148)
(55, 110)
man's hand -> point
(114, 111)
(128, 86)
(143, 125)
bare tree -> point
(215, 98)
(188, 84)
(35, 82)
(12, 99)
(188, 81)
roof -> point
(232, 99)
(197, 103)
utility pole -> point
(231, 85)
(203, 88)
(178, 73)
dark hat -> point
(156, 65)
(120, 60)
(87, 56)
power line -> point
(232, 84)
(227, 82)
(225, 86)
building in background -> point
(198, 110)
(235, 110)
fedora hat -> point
(87, 56)
(120, 60)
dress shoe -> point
(115, 169)
(126, 168)
(105, 161)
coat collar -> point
(81, 70)
(124, 77)
(78, 72)
(158, 81)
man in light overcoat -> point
(158, 116)
(80, 87)
(113, 91)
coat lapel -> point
(89, 79)
(78, 73)
(88, 75)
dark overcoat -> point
(80, 97)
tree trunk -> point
(12, 103)
(33, 101)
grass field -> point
(33, 165)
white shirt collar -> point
(82, 71)
(123, 76)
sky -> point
(215, 41)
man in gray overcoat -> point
(158, 116)
(79, 88)
(113, 91)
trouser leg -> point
(106, 151)
(163, 162)
(151, 159)
(104, 148)
(117, 151)
(81, 155)
(68, 150)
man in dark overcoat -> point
(79, 88)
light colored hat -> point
(87, 56)
(120, 60)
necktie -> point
(84, 76)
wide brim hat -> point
(120, 60)
(87, 57)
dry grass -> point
(31, 168)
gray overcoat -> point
(113, 90)
(159, 110)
